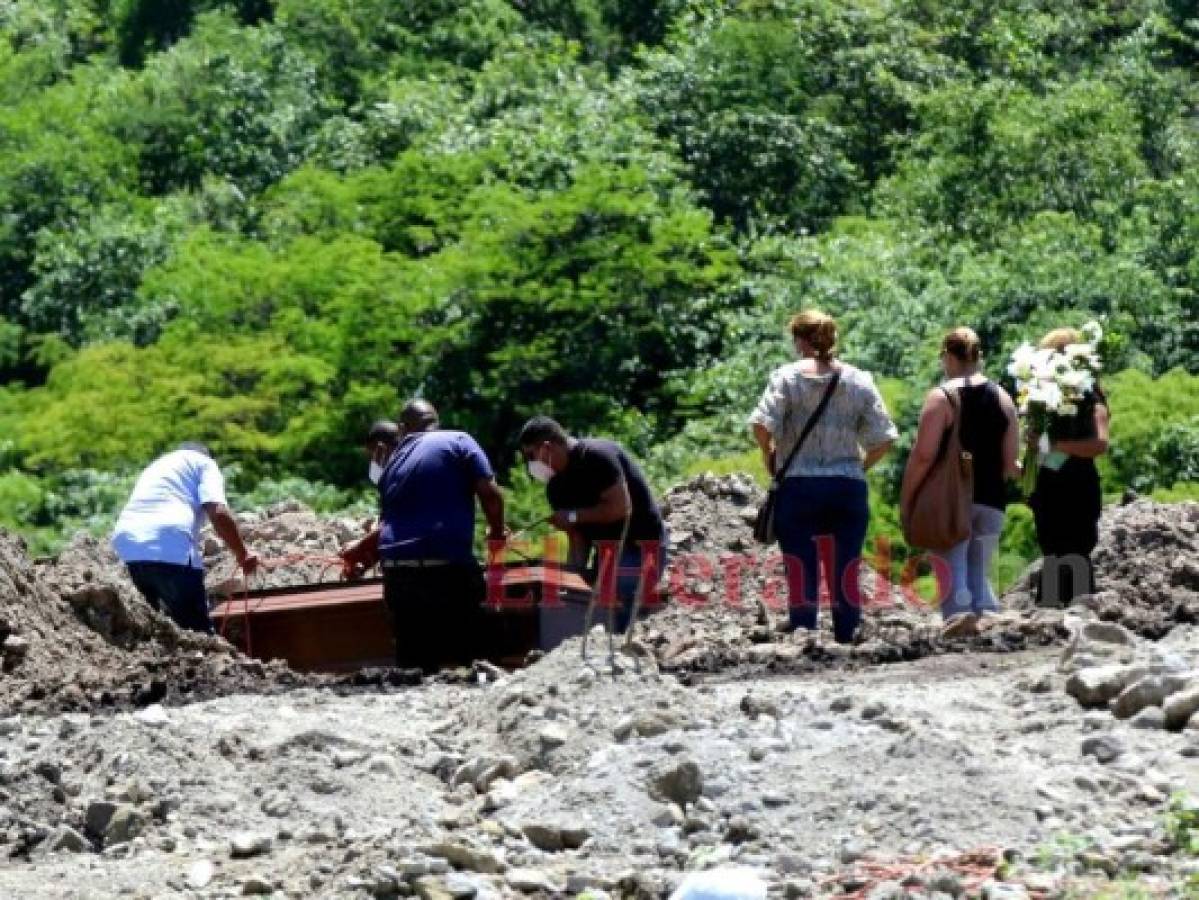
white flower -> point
(1045, 394)
(1076, 382)
(1093, 332)
(1078, 351)
(1021, 366)
(1043, 360)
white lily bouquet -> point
(1052, 383)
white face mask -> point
(540, 470)
(375, 472)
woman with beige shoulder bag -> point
(954, 496)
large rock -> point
(97, 817)
(1181, 707)
(1097, 685)
(464, 856)
(553, 838)
(1150, 718)
(248, 844)
(532, 881)
(1152, 690)
(482, 771)
(125, 824)
(681, 782)
(1103, 747)
(200, 874)
(66, 839)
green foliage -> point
(1182, 824)
(113, 403)
(1154, 433)
(785, 112)
(992, 154)
(21, 498)
(233, 102)
(59, 163)
(1187, 492)
(87, 275)
(143, 26)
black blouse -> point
(1081, 425)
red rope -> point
(266, 565)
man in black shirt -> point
(599, 494)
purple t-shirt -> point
(427, 497)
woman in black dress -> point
(1067, 500)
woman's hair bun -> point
(817, 329)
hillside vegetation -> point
(263, 223)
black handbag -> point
(764, 523)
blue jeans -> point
(836, 510)
(970, 561)
(177, 591)
(628, 575)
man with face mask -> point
(598, 493)
(428, 480)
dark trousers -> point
(1066, 506)
(436, 613)
(835, 512)
(177, 591)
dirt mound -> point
(1146, 568)
(297, 547)
(76, 636)
(727, 598)
(554, 715)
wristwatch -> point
(572, 517)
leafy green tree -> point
(227, 101)
(86, 277)
(59, 162)
(788, 110)
(990, 155)
(145, 26)
(1154, 431)
(113, 404)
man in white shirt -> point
(158, 533)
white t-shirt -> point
(162, 520)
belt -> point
(414, 563)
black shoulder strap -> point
(780, 471)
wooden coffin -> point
(345, 626)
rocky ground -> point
(136, 761)
(951, 774)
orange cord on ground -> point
(974, 867)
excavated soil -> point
(727, 598)
(76, 635)
(1146, 568)
(136, 760)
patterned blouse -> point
(856, 419)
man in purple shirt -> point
(428, 479)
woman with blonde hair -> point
(1068, 500)
(990, 433)
(821, 423)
